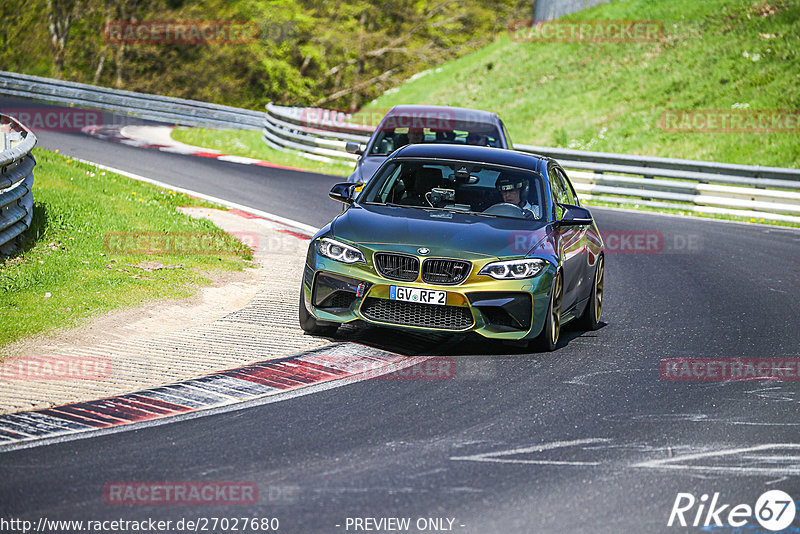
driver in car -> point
(514, 190)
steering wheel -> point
(504, 209)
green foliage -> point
(24, 42)
(338, 54)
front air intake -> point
(417, 314)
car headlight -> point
(514, 269)
(330, 248)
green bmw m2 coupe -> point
(457, 238)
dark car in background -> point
(407, 124)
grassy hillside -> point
(714, 55)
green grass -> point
(63, 272)
(248, 143)
(610, 97)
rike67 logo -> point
(774, 510)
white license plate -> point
(414, 294)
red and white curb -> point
(339, 363)
(117, 134)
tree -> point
(60, 14)
(341, 53)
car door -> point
(584, 283)
(571, 246)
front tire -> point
(310, 324)
(590, 318)
(547, 340)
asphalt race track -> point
(589, 438)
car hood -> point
(449, 234)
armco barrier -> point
(154, 107)
(16, 181)
(740, 190)
(314, 133)
(701, 186)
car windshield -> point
(458, 186)
(391, 136)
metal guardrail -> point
(16, 181)
(153, 107)
(313, 133)
(741, 190)
(688, 165)
(702, 186)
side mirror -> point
(344, 192)
(575, 216)
(353, 147)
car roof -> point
(482, 154)
(460, 114)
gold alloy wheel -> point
(598, 289)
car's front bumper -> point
(500, 309)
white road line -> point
(776, 481)
(297, 225)
(673, 463)
(494, 456)
(238, 159)
(579, 380)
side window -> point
(559, 193)
(557, 185)
(508, 137)
(570, 195)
